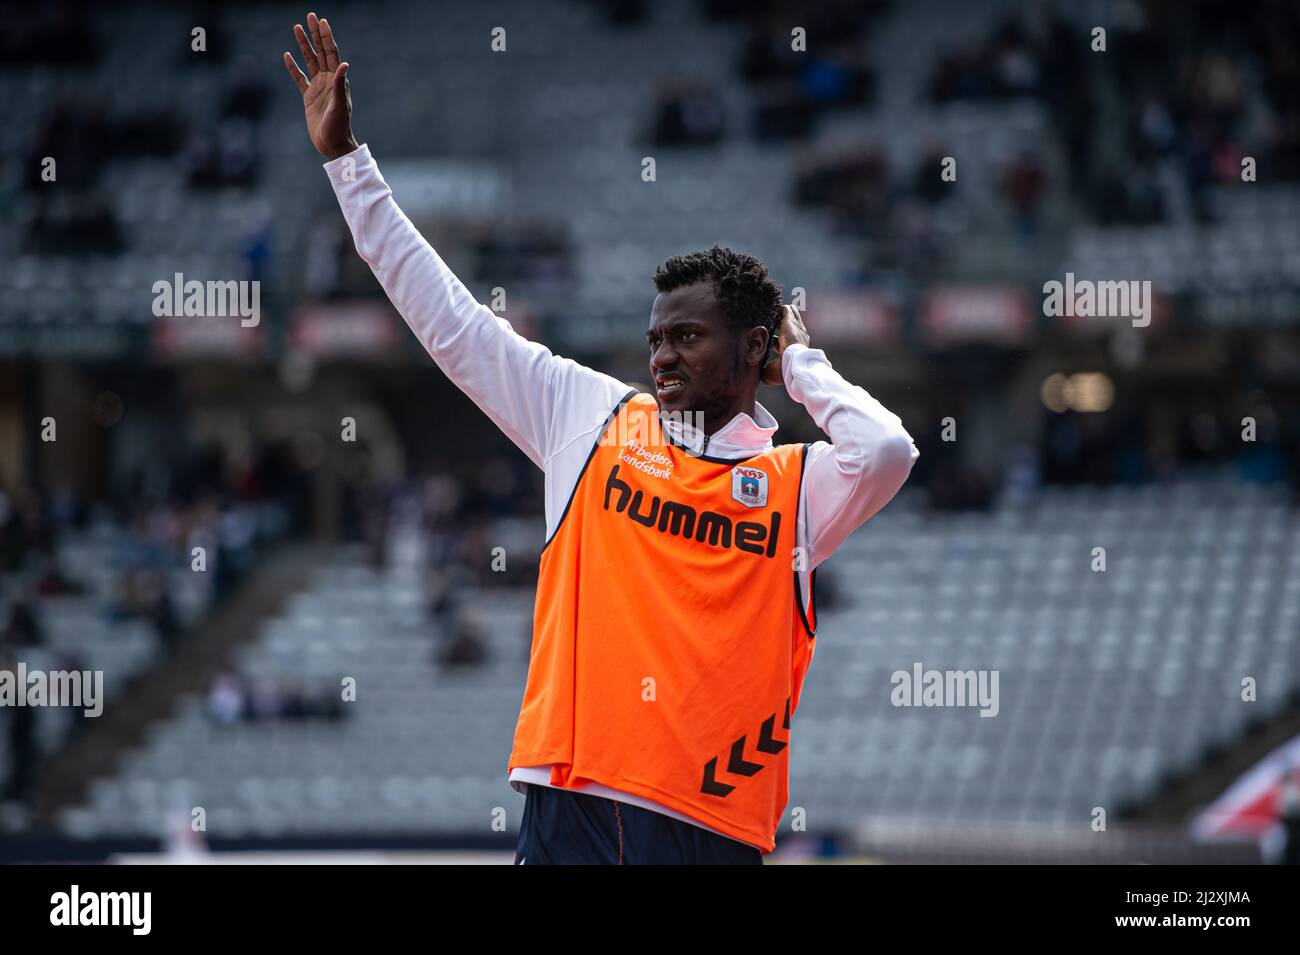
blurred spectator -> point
(255, 242)
(781, 112)
(465, 643)
(687, 114)
(954, 487)
(328, 242)
(839, 79)
(22, 641)
(226, 699)
(927, 181)
(77, 134)
(529, 251)
(248, 94)
(224, 159)
(53, 34)
(1024, 181)
(74, 224)
(851, 185)
(234, 698)
(147, 133)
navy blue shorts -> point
(561, 827)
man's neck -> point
(713, 426)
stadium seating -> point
(1108, 681)
(572, 149)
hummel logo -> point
(682, 520)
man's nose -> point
(663, 357)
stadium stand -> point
(1110, 672)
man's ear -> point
(756, 349)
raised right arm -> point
(539, 400)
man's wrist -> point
(788, 358)
(350, 146)
(789, 352)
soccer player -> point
(675, 616)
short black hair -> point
(746, 293)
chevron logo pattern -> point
(737, 764)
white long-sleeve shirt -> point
(554, 409)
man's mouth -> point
(669, 385)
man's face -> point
(696, 361)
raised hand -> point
(325, 96)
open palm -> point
(325, 97)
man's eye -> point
(690, 336)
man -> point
(675, 616)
